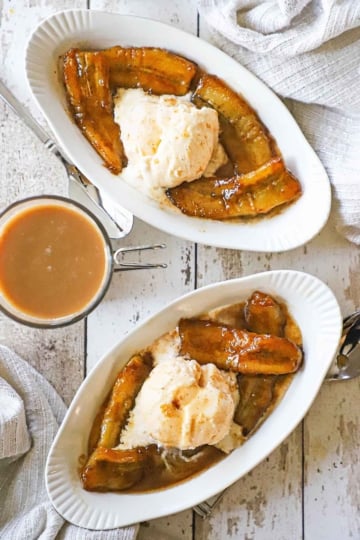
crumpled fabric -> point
(30, 414)
(308, 52)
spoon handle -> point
(8, 97)
(346, 365)
(118, 226)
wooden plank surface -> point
(29, 169)
(135, 295)
(308, 487)
(275, 501)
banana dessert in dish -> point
(178, 134)
(193, 396)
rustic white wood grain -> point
(179, 13)
(265, 504)
(328, 443)
(332, 466)
(327, 488)
(268, 502)
(18, 20)
(135, 295)
(331, 476)
(253, 507)
(29, 169)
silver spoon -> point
(346, 366)
(347, 360)
(117, 221)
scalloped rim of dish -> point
(294, 226)
(315, 309)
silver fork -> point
(205, 508)
(345, 367)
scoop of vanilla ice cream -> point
(167, 139)
(181, 404)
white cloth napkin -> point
(30, 414)
(307, 51)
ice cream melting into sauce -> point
(167, 140)
(182, 404)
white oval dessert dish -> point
(315, 310)
(294, 226)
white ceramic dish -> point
(86, 28)
(315, 309)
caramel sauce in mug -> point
(52, 261)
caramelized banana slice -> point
(237, 350)
(256, 395)
(108, 468)
(259, 394)
(152, 69)
(246, 140)
(264, 315)
(122, 398)
(86, 77)
(248, 195)
(112, 470)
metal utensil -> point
(346, 366)
(117, 220)
(347, 360)
(122, 266)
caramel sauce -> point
(52, 261)
(168, 467)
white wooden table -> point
(309, 488)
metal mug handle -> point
(118, 255)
